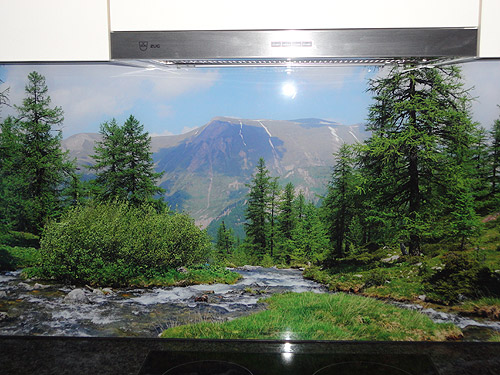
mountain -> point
(207, 169)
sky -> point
(173, 101)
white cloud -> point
(187, 129)
(88, 93)
(164, 133)
(484, 76)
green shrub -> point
(111, 243)
(460, 277)
(376, 277)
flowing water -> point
(34, 309)
(29, 308)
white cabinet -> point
(54, 30)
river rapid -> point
(30, 308)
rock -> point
(249, 268)
(99, 292)
(25, 286)
(203, 298)
(182, 270)
(359, 276)
(3, 294)
(107, 290)
(437, 268)
(3, 317)
(391, 259)
(40, 286)
(422, 297)
(76, 296)
(419, 264)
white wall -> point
(78, 30)
(54, 30)
(129, 15)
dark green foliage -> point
(494, 153)
(12, 182)
(225, 240)
(44, 166)
(124, 166)
(309, 237)
(257, 225)
(112, 243)
(338, 205)
(420, 146)
(460, 277)
(286, 217)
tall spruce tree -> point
(124, 165)
(257, 224)
(494, 152)
(225, 240)
(421, 135)
(12, 182)
(338, 204)
(286, 217)
(274, 193)
(44, 167)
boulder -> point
(76, 296)
(3, 316)
(391, 259)
(3, 294)
(203, 298)
(182, 270)
(422, 297)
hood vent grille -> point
(298, 47)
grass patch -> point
(13, 258)
(310, 316)
(398, 281)
(484, 307)
(189, 276)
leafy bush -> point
(460, 277)
(112, 243)
(376, 277)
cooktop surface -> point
(218, 363)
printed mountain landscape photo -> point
(304, 203)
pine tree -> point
(225, 240)
(274, 193)
(44, 165)
(494, 152)
(286, 217)
(338, 203)
(257, 225)
(12, 181)
(124, 166)
(310, 239)
(421, 138)
(480, 169)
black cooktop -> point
(231, 363)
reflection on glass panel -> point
(294, 203)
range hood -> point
(257, 32)
(298, 47)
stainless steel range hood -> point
(309, 47)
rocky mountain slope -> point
(206, 169)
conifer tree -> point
(124, 165)
(421, 137)
(274, 193)
(12, 181)
(44, 165)
(225, 240)
(257, 225)
(494, 176)
(286, 217)
(338, 203)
